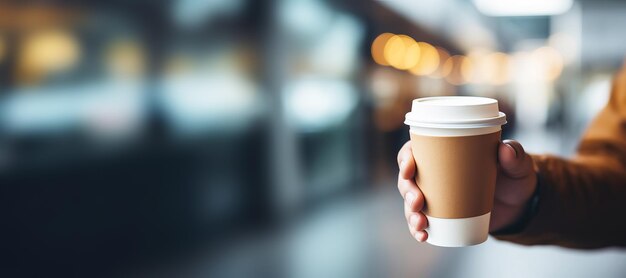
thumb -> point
(514, 161)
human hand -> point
(515, 185)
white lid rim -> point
(484, 122)
(490, 100)
(454, 126)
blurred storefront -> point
(259, 138)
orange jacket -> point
(582, 200)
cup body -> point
(456, 162)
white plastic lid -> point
(455, 112)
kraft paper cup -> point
(455, 142)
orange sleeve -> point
(582, 200)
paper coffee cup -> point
(455, 145)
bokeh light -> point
(401, 52)
(460, 67)
(552, 60)
(429, 60)
(497, 68)
(378, 48)
(444, 67)
(125, 58)
(467, 69)
(485, 67)
(48, 51)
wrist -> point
(526, 212)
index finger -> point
(406, 162)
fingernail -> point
(413, 221)
(402, 164)
(409, 197)
(417, 236)
(511, 146)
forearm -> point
(580, 203)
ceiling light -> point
(522, 7)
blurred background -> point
(244, 138)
